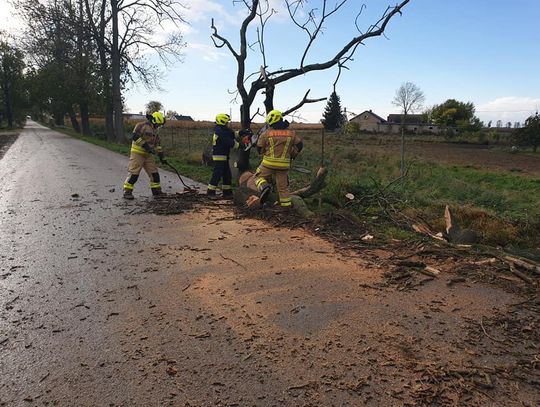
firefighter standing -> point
(278, 146)
(223, 141)
(145, 143)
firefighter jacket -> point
(279, 145)
(145, 139)
(222, 142)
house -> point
(409, 119)
(182, 118)
(134, 116)
(369, 121)
(414, 123)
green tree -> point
(529, 134)
(332, 116)
(153, 106)
(11, 82)
(453, 113)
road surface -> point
(101, 306)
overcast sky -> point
(483, 51)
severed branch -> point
(302, 103)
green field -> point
(490, 190)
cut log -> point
(316, 185)
(247, 189)
(454, 233)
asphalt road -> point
(101, 305)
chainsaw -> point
(255, 137)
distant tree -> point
(453, 113)
(170, 114)
(508, 125)
(489, 124)
(409, 98)
(153, 106)
(499, 124)
(11, 81)
(332, 116)
(529, 134)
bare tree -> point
(312, 22)
(123, 31)
(409, 98)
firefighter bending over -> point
(145, 143)
(278, 146)
(223, 141)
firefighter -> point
(145, 144)
(223, 141)
(278, 146)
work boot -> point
(265, 194)
(211, 194)
(157, 193)
(128, 194)
(227, 194)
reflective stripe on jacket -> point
(276, 148)
(222, 142)
(144, 133)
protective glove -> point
(161, 156)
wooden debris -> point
(526, 264)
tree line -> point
(76, 57)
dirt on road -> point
(185, 302)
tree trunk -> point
(8, 105)
(116, 86)
(59, 118)
(85, 118)
(74, 121)
(241, 159)
(402, 163)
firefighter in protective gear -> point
(278, 146)
(223, 140)
(145, 143)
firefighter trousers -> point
(221, 171)
(263, 178)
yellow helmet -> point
(273, 117)
(158, 119)
(222, 119)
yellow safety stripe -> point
(271, 152)
(224, 187)
(236, 144)
(127, 185)
(287, 143)
(219, 157)
(154, 185)
(285, 203)
(138, 150)
(214, 139)
(139, 141)
(260, 181)
(278, 163)
(212, 187)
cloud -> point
(204, 10)
(207, 52)
(508, 109)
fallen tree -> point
(247, 194)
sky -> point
(481, 51)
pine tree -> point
(332, 116)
